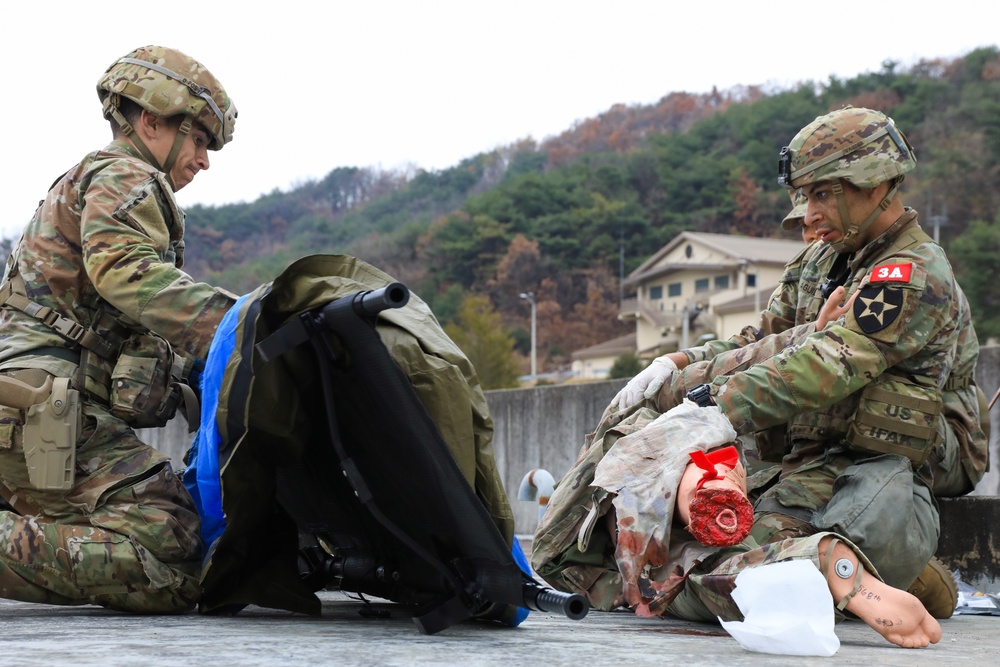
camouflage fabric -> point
(707, 594)
(167, 82)
(810, 384)
(861, 146)
(558, 555)
(124, 537)
(641, 474)
(633, 462)
(104, 249)
(799, 206)
(108, 237)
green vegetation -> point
(626, 366)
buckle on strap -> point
(954, 383)
(65, 326)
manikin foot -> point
(712, 498)
(894, 614)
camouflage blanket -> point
(633, 463)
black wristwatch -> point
(701, 395)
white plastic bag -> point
(787, 610)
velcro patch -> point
(878, 306)
(895, 273)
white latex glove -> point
(647, 383)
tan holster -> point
(51, 427)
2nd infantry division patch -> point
(877, 306)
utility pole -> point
(530, 296)
(621, 266)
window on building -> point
(688, 251)
(751, 280)
(674, 289)
(701, 285)
(721, 282)
(656, 292)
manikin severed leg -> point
(712, 498)
(893, 613)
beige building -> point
(695, 288)
(700, 286)
(594, 362)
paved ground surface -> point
(85, 636)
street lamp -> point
(530, 296)
(746, 265)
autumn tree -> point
(479, 333)
(596, 319)
(520, 270)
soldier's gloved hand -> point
(647, 383)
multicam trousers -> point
(126, 536)
(707, 593)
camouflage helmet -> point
(798, 212)
(167, 83)
(860, 146)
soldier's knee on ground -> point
(73, 564)
(936, 589)
(117, 572)
(949, 477)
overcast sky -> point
(390, 83)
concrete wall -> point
(543, 427)
(988, 379)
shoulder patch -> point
(895, 273)
(878, 306)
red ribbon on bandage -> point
(728, 456)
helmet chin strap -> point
(852, 232)
(182, 132)
(111, 109)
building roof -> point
(749, 248)
(609, 348)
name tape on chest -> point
(891, 273)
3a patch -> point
(876, 307)
(894, 273)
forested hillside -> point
(563, 218)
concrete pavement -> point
(90, 636)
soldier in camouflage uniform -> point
(921, 345)
(857, 405)
(797, 215)
(95, 280)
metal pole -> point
(685, 327)
(756, 292)
(530, 296)
(621, 266)
(534, 344)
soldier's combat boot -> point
(935, 587)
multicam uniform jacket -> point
(911, 321)
(108, 235)
(107, 241)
